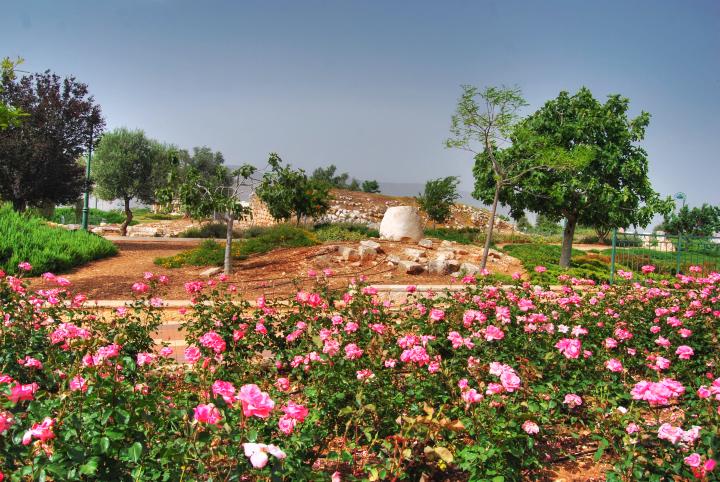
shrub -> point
(68, 215)
(344, 232)
(208, 230)
(27, 238)
(210, 253)
(582, 265)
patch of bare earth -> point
(277, 273)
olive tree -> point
(128, 165)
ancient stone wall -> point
(364, 208)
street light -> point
(680, 195)
(86, 203)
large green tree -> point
(698, 221)
(289, 192)
(39, 154)
(438, 198)
(606, 185)
(128, 165)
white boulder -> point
(401, 223)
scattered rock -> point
(367, 253)
(142, 231)
(438, 266)
(322, 261)
(445, 254)
(368, 243)
(211, 271)
(469, 268)
(393, 259)
(414, 254)
(446, 244)
(401, 223)
(348, 253)
(443, 266)
(425, 243)
(492, 253)
(411, 267)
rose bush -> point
(489, 383)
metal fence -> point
(670, 254)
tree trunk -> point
(228, 245)
(568, 233)
(19, 205)
(491, 224)
(128, 218)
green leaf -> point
(104, 444)
(601, 449)
(135, 451)
(90, 467)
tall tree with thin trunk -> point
(202, 196)
(482, 124)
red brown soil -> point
(277, 273)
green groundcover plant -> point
(487, 383)
(27, 238)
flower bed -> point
(483, 384)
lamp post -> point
(86, 203)
(678, 196)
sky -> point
(370, 86)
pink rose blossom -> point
(530, 427)
(207, 413)
(255, 403)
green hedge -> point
(29, 238)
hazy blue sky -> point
(370, 85)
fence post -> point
(612, 256)
(677, 257)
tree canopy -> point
(202, 194)
(698, 221)
(289, 192)
(603, 180)
(128, 165)
(438, 198)
(333, 179)
(9, 114)
(40, 153)
(482, 124)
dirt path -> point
(277, 273)
(113, 277)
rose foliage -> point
(486, 383)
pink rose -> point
(255, 402)
(207, 413)
(530, 427)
